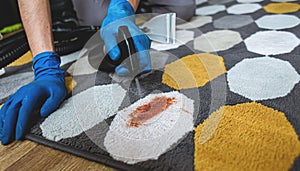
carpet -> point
(226, 96)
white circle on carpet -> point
(83, 111)
(154, 137)
(182, 37)
(278, 21)
(196, 21)
(217, 40)
(210, 10)
(243, 8)
(198, 2)
(272, 42)
(262, 78)
(81, 67)
(65, 59)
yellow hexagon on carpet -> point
(282, 7)
(193, 71)
(70, 83)
(24, 59)
(248, 136)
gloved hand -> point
(46, 93)
(121, 13)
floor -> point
(27, 155)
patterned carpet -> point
(228, 90)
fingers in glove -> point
(3, 114)
(52, 103)
(25, 117)
(144, 61)
(10, 122)
(122, 71)
(143, 55)
(142, 44)
(112, 47)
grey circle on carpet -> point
(213, 2)
(233, 21)
(10, 84)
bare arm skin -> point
(134, 3)
(36, 18)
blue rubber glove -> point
(46, 93)
(121, 13)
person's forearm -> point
(36, 19)
(134, 3)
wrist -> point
(47, 64)
(121, 6)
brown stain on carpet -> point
(249, 136)
(193, 71)
(149, 110)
